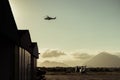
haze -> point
(82, 26)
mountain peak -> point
(104, 59)
(104, 53)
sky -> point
(81, 26)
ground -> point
(87, 76)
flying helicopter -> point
(50, 18)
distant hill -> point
(104, 59)
(52, 64)
(117, 54)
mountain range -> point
(103, 59)
(52, 64)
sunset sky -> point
(82, 26)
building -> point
(18, 53)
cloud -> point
(81, 55)
(52, 53)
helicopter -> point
(49, 18)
